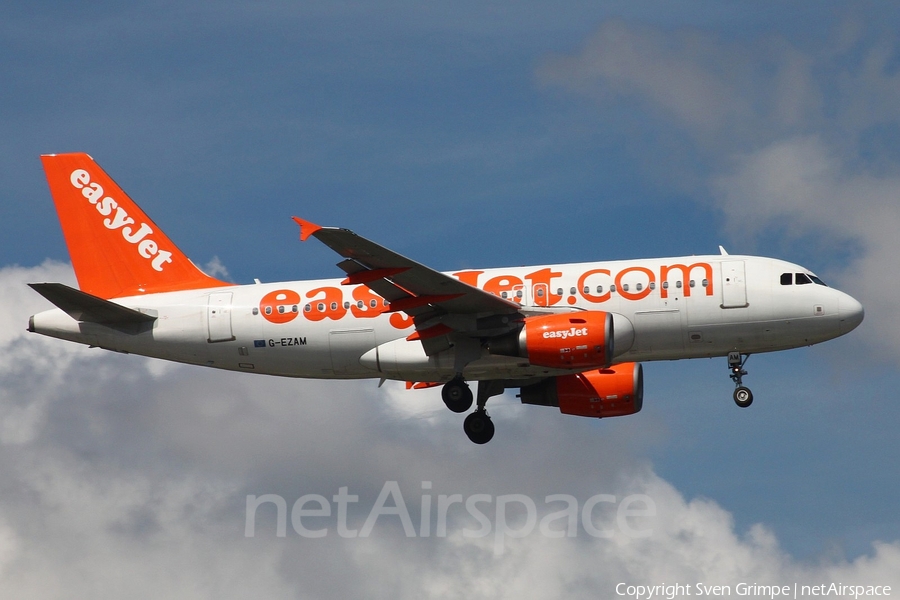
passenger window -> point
(787, 278)
(665, 285)
(705, 283)
(586, 290)
(321, 306)
(652, 285)
(612, 288)
(518, 293)
(540, 293)
(334, 306)
(359, 304)
(624, 287)
(678, 284)
(801, 279)
(255, 311)
(294, 308)
(599, 289)
(559, 291)
(571, 291)
(346, 306)
(692, 283)
(307, 308)
(639, 287)
(503, 295)
(281, 309)
(373, 303)
(268, 310)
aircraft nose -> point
(850, 312)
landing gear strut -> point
(458, 397)
(743, 397)
(478, 425)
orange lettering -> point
(686, 275)
(469, 277)
(280, 306)
(628, 295)
(329, 305)
(366, 296)
(401, 320)
(587, 295)
(543, 280)
(502, 283)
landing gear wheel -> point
(457, 395)
(743, 397)
(479, 427)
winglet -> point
(307, 228)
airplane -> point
(571, 336)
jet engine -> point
(612, 392)
(568, 341)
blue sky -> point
(472, 134)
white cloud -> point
(132, 483)
(28, 369)
(712, 88)
(802, 184)
(216, 268)
(781, 135)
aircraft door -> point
(734, 284)
(218, 317)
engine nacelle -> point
(575, 340)
(612, 392)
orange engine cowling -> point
(566, 341)
(612, 392)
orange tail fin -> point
(116, 249)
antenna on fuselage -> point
(722, 251)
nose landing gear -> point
(743, 397)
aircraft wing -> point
(438, 303)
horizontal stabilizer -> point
(82, 306)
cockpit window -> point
(787, 278)
(801, 279)
(817, 281)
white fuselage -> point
(687, 307)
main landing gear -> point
(743, 397)
(458, 397)
(479, 427)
